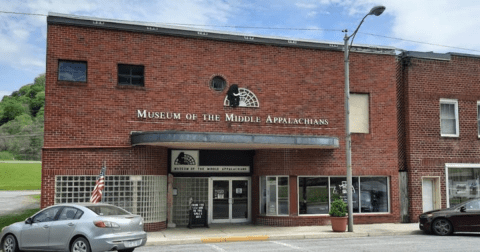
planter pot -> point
(339, 224)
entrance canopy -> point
(209, 140)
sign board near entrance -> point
(187, 161)
(198, 215)
(220, 169)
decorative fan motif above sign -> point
(185, 159)
(240, 97)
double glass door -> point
(229, 200)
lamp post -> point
(377, 11)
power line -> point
(22, 13)
(419, 42)
(260, 28)
(279, 28)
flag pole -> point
(104, 171)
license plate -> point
(129, 244)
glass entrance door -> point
(229, 200)
(221, 197)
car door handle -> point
(70, 224)
(46, 226)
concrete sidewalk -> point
(249, 232)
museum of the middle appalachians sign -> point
(252, 126)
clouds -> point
(452, 23)
(437, 22)
(23, 37)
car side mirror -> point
(462, 209)
(28, 220)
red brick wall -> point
(322, 220)
(317, 162)
(288, 82)
(427, 152)
(157, 226)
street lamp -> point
(377, 11)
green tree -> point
(21, 121)
(10, 108)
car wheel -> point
(80, 245)
(127, 250)
(10, 244)
(442, 227)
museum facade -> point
(251, 129)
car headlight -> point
(426, 215)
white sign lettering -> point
(154, 115)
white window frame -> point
(457, 124)
(329, 195)
(276, 198)
(478, 119)
(455, 165)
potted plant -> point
(338, 214)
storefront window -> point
(283, 195)
(370, 194)
(274, 195)
(313, 195)
(338, 190)
(463, 184)
(373, 194)
(271, 195)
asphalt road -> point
(420, 242)
(13, 201)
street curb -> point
(174, 242)
(235, 238)
(275, 237)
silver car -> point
(76, 228)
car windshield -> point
(108, 210)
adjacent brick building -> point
(252, 127)
(440, 104)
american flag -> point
(99, 185)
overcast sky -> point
(441, 25)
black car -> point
(464, 217)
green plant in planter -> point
(338, 208)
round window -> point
(218, 83)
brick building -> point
(440, 99)
(250, 126)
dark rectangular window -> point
(130, 75)
(72, 71)
(338, 190)
(313, 195)
(370, 194)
